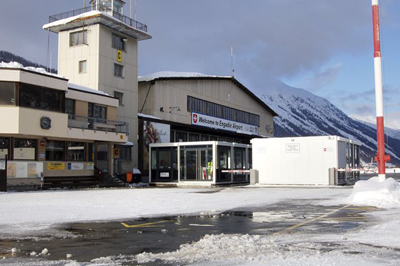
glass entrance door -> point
(197, 164)
(191, 164)
(206, 164)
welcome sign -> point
(223, 124)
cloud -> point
(325, 77)
(280, 38)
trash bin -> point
(137, 175)
(129, 177)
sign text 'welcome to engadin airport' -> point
(223, 124)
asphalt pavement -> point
(130, 237)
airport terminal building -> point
(192, 107)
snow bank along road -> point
(39, 214)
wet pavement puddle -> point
(131, 237)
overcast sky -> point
(324, 46)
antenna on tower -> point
(232, 70)
(135, 9)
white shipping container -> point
(303, 160)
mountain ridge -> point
(302, 113)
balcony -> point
(104, 9)
(98, 124)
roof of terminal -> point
(170, 75)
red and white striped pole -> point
(381, 158)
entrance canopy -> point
(200, 163)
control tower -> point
(98, 49)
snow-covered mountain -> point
(302, 113)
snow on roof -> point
(86, 89)
(40, 70)
(67, 20)
(172, 74)
(88, 15)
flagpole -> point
(381, 158)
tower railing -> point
(104, 9)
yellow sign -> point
(119, 55)
(55, 166)
(116, 153)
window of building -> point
(76, 151)
(119, 96)
(181, 136)
(78, 38)
(118, 42)
(4, 147)
(25, 149)
(7, 93)
(82, 66)
(97, 111)
(41, 98)
(224, 112)
(118, 70)
(70, 108)
(55, 150)
(193, 137)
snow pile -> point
(374, 193)
(239, 249)
(220, 248)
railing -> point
(84, 122)
(127, 20)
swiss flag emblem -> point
(194, 118)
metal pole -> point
(381, 158)
(135, 10)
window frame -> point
(48, 154)
(31, 96)
(118, 70)
(5, 92)
(70, 152)
(120, 97)
(82, 63)
(118, 43)
(31, 145)
(79, 41)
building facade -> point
(50, 132)
(190, 107)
